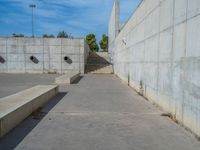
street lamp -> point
(32, 6)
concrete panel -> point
(152, 23)
(138, 53)
(31, 41)
(55, 67)
(12, 41)
(166, 14)
(193, 37)
(177, 84)
(52, 42)
(3, 48)
(55, 57)
(3, 41)
(16, 67)
(34, 49)
(179, 42)
(16, 58)
(193, 8)
(70, 42)
(70, 49)
(149, 75)
(140, 32)
(180, 11)
(16, 49)
(165, 78)
(53, 49)
(165, 50)
(151, 49)
(151, 5)
(73, 66)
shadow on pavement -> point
(15, 136)
(77, 80)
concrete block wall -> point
(158, 53)
(50, 54)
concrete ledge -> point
(15, 108)
(67, 78)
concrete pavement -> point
(13, 83)
(99, 113)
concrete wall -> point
(114, 24)
(161, 56)
(50, 53)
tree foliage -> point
(104, 43)
(92, 42)
(62, 34)
(17, 35)
(48, 36)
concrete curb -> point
(67, 79)
(15, 108)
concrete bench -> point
(15, 108)
(67, 78)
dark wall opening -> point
(2, 60)
(34, 59)
(67, 60)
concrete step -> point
(15, 108)
(67, 78)
(99, 69)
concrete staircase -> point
(99, 63)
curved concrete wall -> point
(42, 55)
(158, 53)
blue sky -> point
(76, 17)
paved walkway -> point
(99, 113)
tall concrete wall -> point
(161, 56)
(114, 24)
(15, 54)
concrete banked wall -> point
(48, 55)
(158, 53)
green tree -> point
(48, 36)
(63, 34)
(104, 43)
(92, 42)
(17, 35)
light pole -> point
(32, 6)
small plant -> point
(48, 36)
(17, 35)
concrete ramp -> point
(99, 63)
(15, 108)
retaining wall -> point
(42, 55)
(157, 52)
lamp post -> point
(32, 6)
